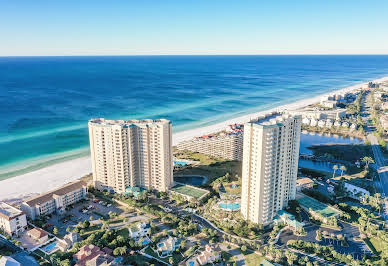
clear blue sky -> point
(102, 27)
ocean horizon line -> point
(184, 54)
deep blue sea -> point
(45, 102)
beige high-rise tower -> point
(131, 153)
(270, 166)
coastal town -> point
(296, 186)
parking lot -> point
(80, 212)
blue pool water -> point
(50, 247)
(230, 206)
(45, 102)
(160, 245)
(180, 163)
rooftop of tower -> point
(107, 122)
(271, 119)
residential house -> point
(68, 241)
(210, 255)
(167, 246)
(38, 235)
(304, 183)
(90, 255)
(139, 230)
(12, 220)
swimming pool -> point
(229, 206)
(160, 245)
(50, 248)
(180, 163)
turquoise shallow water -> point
(45, 102)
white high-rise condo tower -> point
(135, 153)
(270, 166)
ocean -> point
(46, 102)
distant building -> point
(306, 121)
(38, 235)
(329, 123)
(270, 166)
(12, 220)
(384, 121)
(228, 146)
(304, 183)
(353, 126)
(136, 153)
(337, 123)
(313, 122)
(55, 200)
(345, 124)
(321, 123)
(355, 192)
(329, 104)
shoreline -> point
(42, 180)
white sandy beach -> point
(56, 175)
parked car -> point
(109, 205)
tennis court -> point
(190, 191)
(319, 207)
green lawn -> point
(123, 232)
(252, 259)
(317, 206)
(189, 191)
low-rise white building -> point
(353, 126)
(355, 192)
(12, 220)
(139, 230)
(313, 122)
(321, 123)
(55, 200)
(345, 124)
(329, 123)
(37, 234)
(337, 123)
(306, 121)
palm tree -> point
(123, 250)
(335, 168)
(343, 169)
(367, 161)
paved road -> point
(379, 158)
